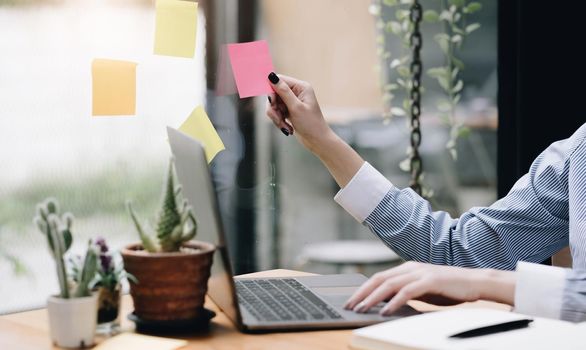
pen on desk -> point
(496, 328)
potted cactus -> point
(172, 270)
(72, 313)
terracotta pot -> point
(171, 286)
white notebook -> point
(432, 331)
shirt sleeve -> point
(364, 192)
(529, 224)
(552, 292)
(539, 290)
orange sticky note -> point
(114, 87)
(199, 126)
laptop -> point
(263, 304)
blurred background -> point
(276, 198)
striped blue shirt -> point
(544, 212)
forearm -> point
(497, 285)
(338, 157)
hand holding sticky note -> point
(251, 64)
(175, 28)
(199, 126)
(114, 87)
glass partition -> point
(276, 198)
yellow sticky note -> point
(131, 341)
(114, 87)
(199, 126)
(175, 28)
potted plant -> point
(171, 269)
(72, 313)
(108, 286)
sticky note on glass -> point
(199, 126)
(114, 87)
(251, 64)
(175, 28)
(131, 341)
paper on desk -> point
(225, 83)
(251, 64)
(175, 28)
(131, 341)
(437, 326)
(113, 87)
(199, 126)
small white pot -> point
(73, 321)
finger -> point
(389, 288)
(272, 97)
(376, 280)
(284, 91)
(295, 84)
(408, 292)
(279, 121)
(281, 106)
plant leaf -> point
(431, 16)
(390, 2)
(393, 27)
(443, 40)
(437, 72)
(463, 131)
(458, 87)
(473, 7)
(458, 63)
(403, 71)
(405, 165)
(374, 9)
(444, 106)
(458, 3)
(400, 112)
(472, 27)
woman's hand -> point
(432, 283)
(294, 109)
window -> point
(276, 198)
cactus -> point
(57, 229)
(58, 232)
(175, 225)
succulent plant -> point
(176, 223)
(57, 229)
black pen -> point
(496, 328)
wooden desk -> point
(30, 330)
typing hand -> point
(436, 284)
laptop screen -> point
(193, 175)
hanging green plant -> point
(393, 19)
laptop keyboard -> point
(282, 300)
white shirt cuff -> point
(364, 192)
(539, 290)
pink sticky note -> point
(225, 83)
(251, 65)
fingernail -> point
(285, 131)
(270, 101)
(273, 78)
(359, 308)
(384, 311)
